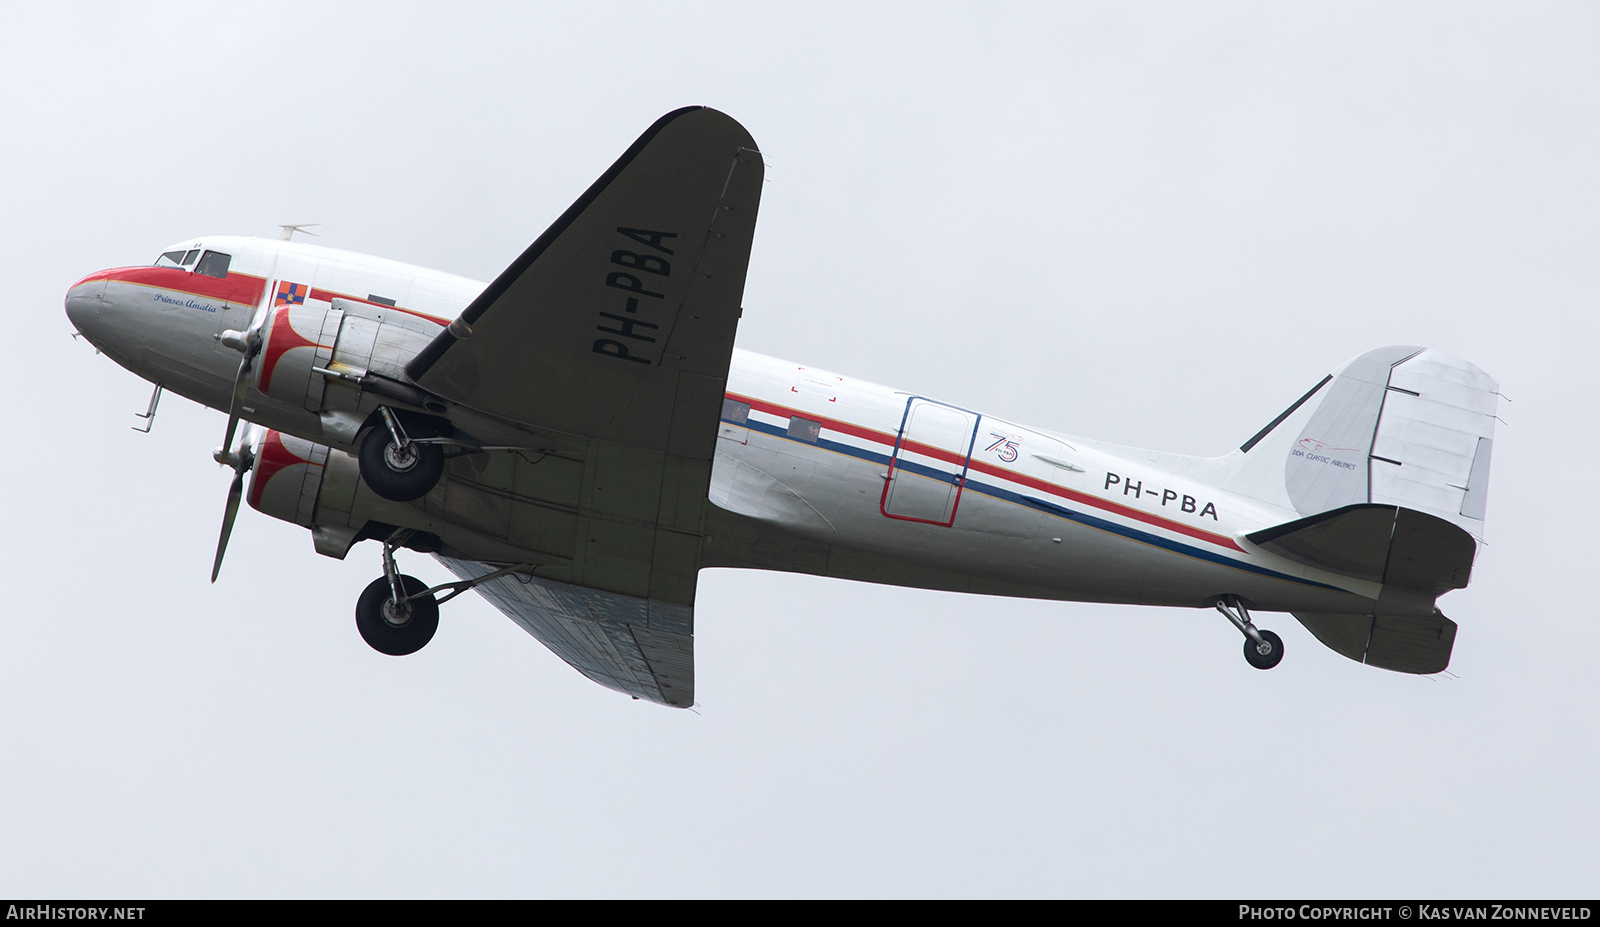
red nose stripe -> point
(239, 289)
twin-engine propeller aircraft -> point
(578, 439)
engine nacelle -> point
(318, 356)
(319, 487)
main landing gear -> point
(398, 614)
(397, 466)
(1262, 649)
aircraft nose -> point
(85, 302)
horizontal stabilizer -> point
(1378, 543)
(1403, 644)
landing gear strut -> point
(1262, 649)
(397, 467)
(399, 614)
(396, 614)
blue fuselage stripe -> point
(1049, 508)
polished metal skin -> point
(588, 476)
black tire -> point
(1265, 661)
(396, 475)
(387, 636)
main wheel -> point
(399, 473)
(1273, 645)
(396, 631)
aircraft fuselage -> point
(814, 472)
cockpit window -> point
(213, 264)
(178, 258)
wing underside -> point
(639, 647)
(608, 341)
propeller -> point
(241, 459)
(249, 344)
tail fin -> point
(1402, 426)
(1387, 462)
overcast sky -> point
(1156, 225)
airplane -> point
(577, 439)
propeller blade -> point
(235, 493)
(242, 460)
(241, 384)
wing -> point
(618, 322)
(613, 334)
(639, 647)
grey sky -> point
(1155, 225)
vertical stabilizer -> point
(1404, 426)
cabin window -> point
(804, 429)
(380, 300)
(214, 264)
(735, 412)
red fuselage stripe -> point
(329, 296)
(954, 459)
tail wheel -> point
(1266, 654)
(394, 628)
